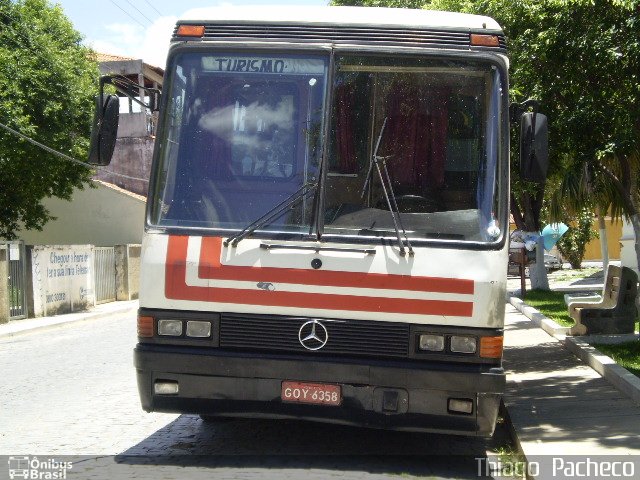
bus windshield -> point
(435, 126)
(244, 132)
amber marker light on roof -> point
(479, 40)
(190, 31)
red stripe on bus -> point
(176, 288)
(211, 268)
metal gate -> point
(17, 280)
(105, 274)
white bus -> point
(326, 231)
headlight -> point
(198, 329)
(170, 327)
(461, 344)
(432, 343)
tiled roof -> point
(107, 57)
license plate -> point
(316, 393)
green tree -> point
(382, 3)
(47, 83)
(573, 244)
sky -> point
(141, 28)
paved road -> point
(71, 391)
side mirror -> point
(534, 147)
(104, 130)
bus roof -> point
(357, 16)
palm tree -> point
(610, 183)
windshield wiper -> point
(385, 181)
(272, 214)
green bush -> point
(573, 244)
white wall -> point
(627, 252)
(133, 125)
(62, 279)
(102, 216)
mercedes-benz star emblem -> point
(313, 335)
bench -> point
(582, 297)
(614, 312)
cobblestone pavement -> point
(72, 391)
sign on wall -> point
(62, 279)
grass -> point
(503, 446)
(551, 304)
(626, 355)
(574, 274)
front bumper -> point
(246, 385)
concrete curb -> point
(625, 381)
(618, 376)
(548, 325)
(20, 327)
(610, 339)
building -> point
(137, 126)
(613, 229)
(103, 215)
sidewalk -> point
(562, 281)
(557, 404)
(18, 327)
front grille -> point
(351, 337)
(341, 35)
